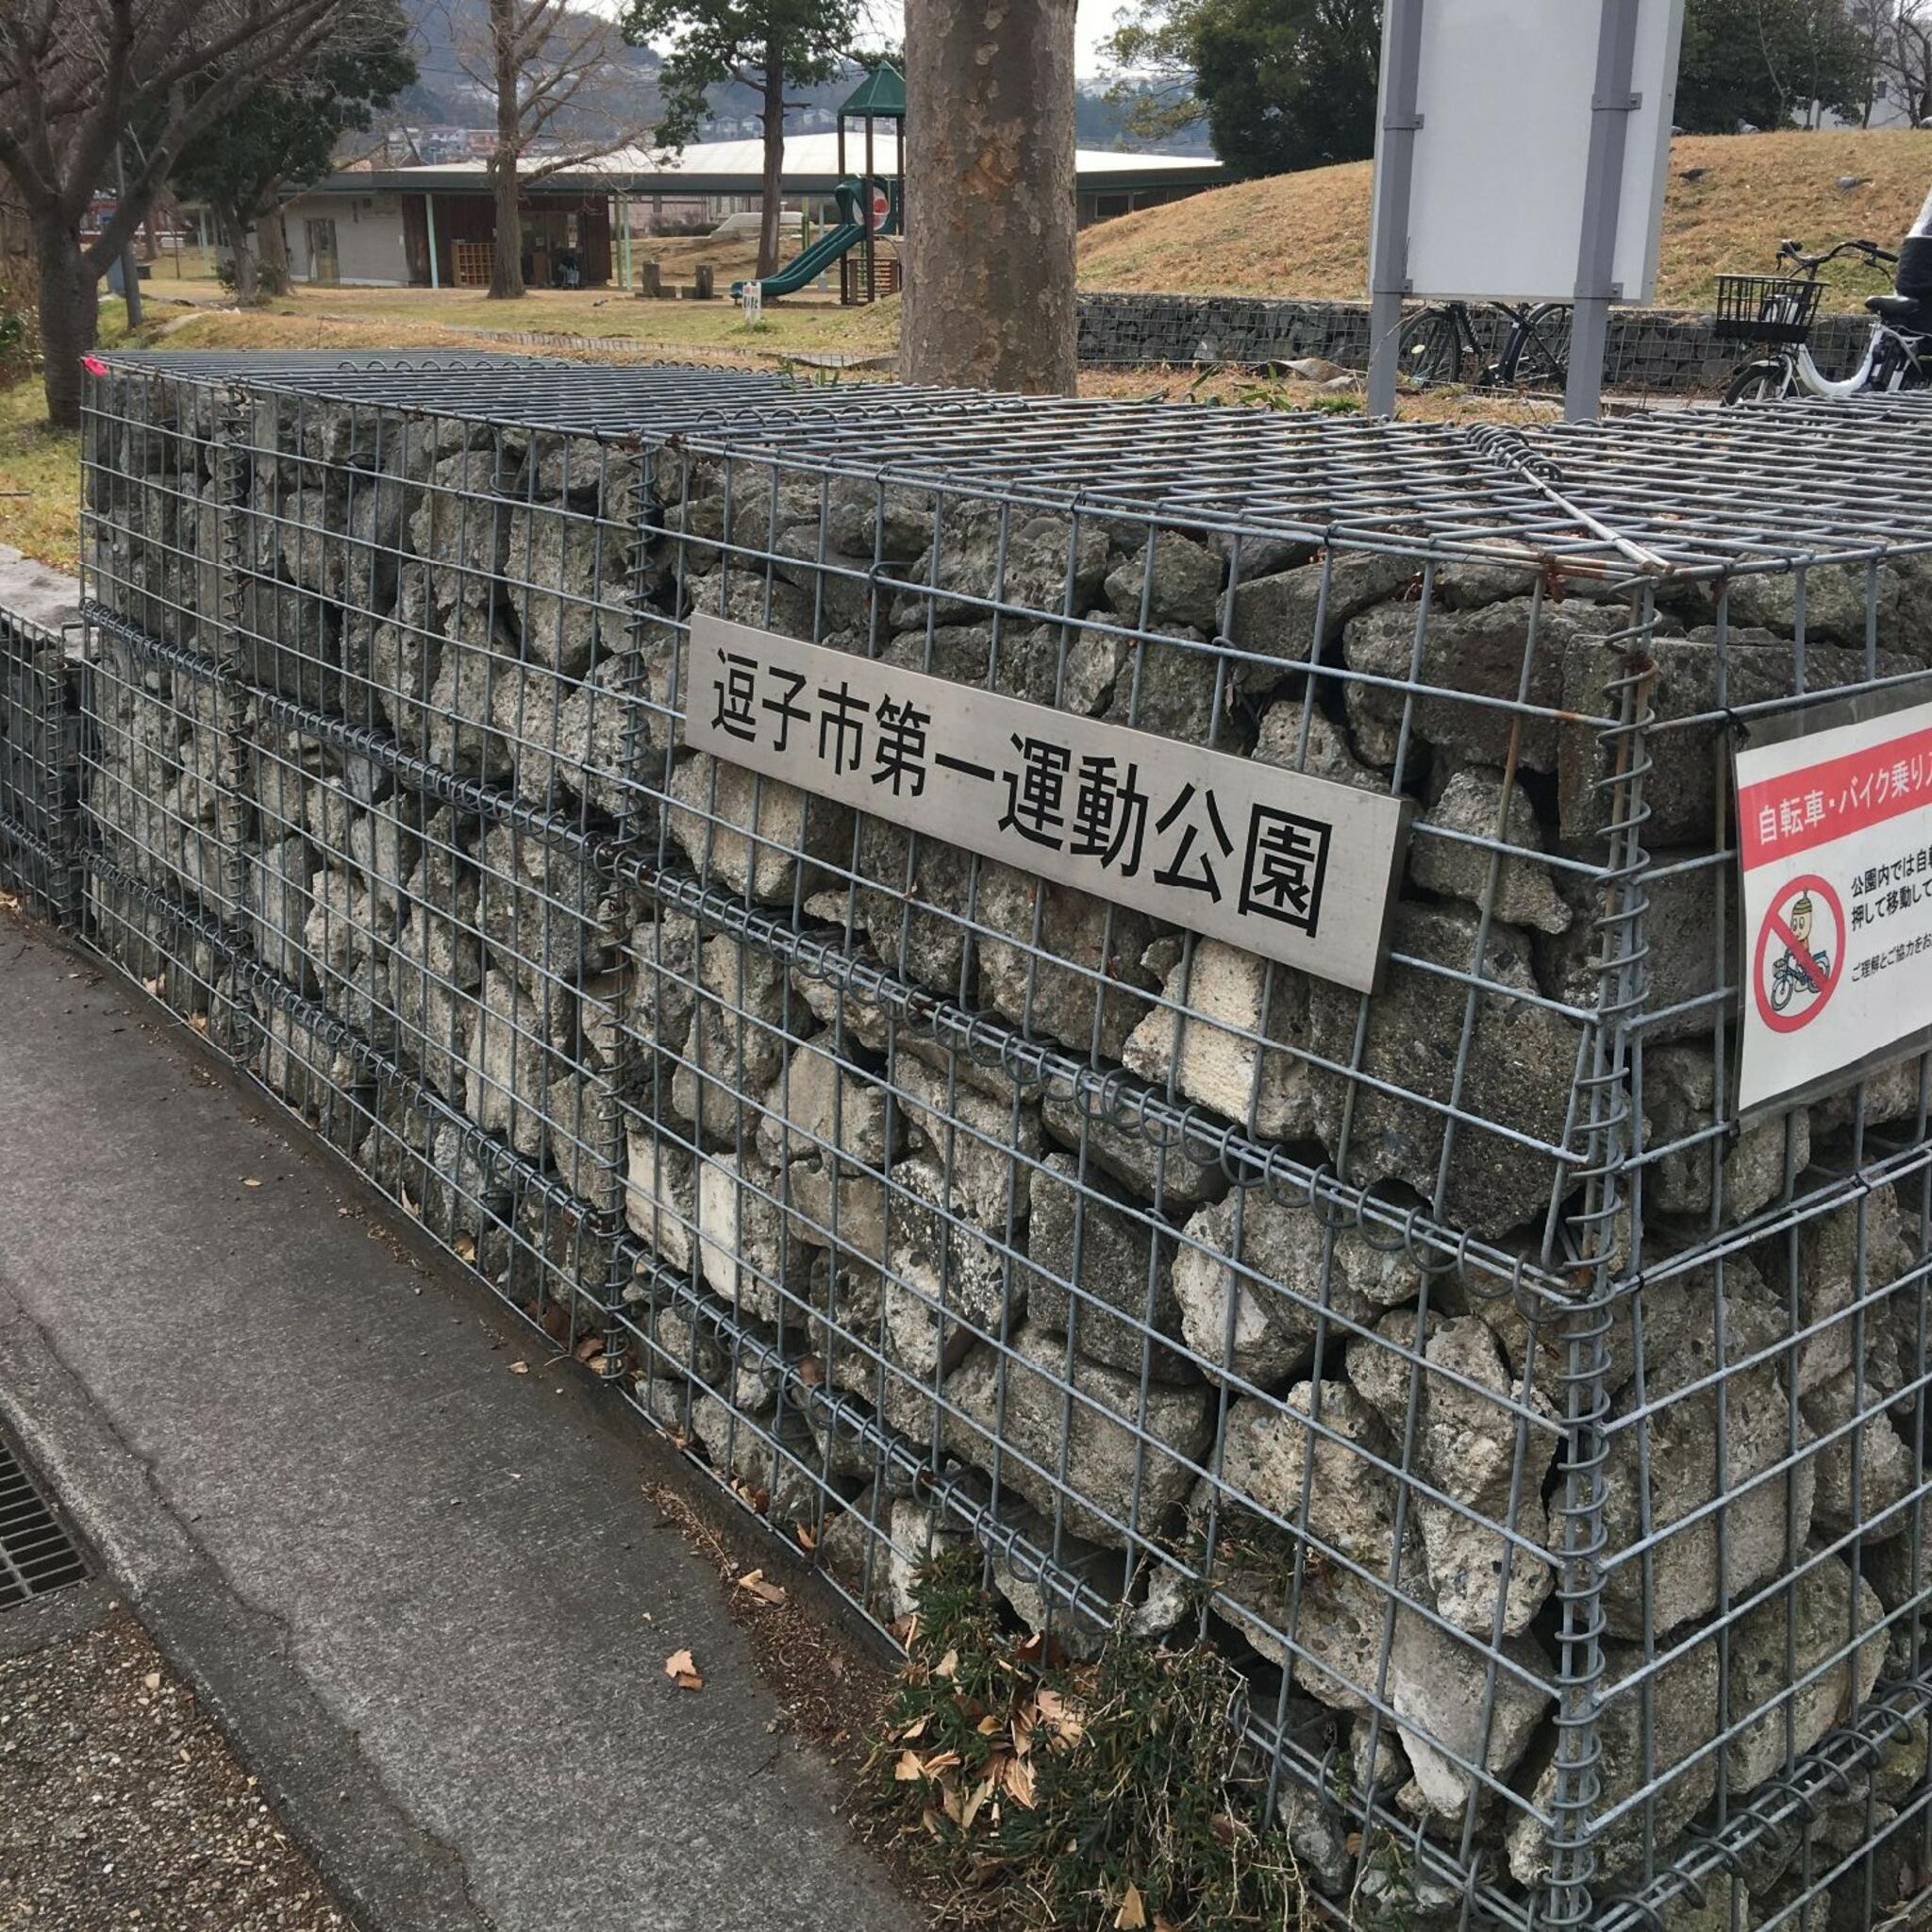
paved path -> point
(424, 1594)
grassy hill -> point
(1308, 234)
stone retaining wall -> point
(1650, 349)
(930, 1203)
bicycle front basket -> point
(1765, 308)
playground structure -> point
(870, 208)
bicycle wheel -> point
(1541, 346)
(1760, 382)
(1429, 347)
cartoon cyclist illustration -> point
(1790, 974)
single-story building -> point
(434, 227)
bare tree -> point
(990, 211)
(83, 81)
(564, 97)
(1905, 58)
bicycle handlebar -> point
(1794, 252)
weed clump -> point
(1115, 1793)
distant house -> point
(434, 225)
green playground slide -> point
(834, 243)
(816, 260)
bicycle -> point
(1788, 977)
(1778, 311)
(1437, 343)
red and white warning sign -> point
(1835, 830)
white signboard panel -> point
(1504, 96)
(1835, 832)
(1295, 868)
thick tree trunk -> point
(242, 249)
(271, 247)
(507, 258)
(990, 205)
(70, 315)
(771, 197)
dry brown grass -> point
(1308, 234)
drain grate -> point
(37, 1554)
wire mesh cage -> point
(1547, 1447)
(1766, 309)
(39, 761)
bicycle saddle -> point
(1896, 308)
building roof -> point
(882, 93)
(736, 167)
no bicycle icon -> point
(1800, 954)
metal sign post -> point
(1402, 41)
(1611, 106)
(1491, 190)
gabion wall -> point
(1550, 1452)
(1650, 349)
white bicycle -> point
(1775, 313)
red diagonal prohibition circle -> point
(1777, 925)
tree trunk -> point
(271, 246)
(247, 283)
(70, 315)
(772, 196)
(507, 258)
(990, 210)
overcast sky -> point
(1093, 23)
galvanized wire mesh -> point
(1550, 1451)
(39, 762)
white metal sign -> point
(1835, 832)
(1504, 103)
(752, 296)
(1297, 869)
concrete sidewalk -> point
(423, 1594)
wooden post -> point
(650, 280)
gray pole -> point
(1603, 194)
(1402, 41)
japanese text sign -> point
(1297, 869)
(1835, 832)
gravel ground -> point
(120, 1805)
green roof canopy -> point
(881, 93)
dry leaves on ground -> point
(682, 1669)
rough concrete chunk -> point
(1282, 1274)
(1481, 651)
(1647, 1728)
(740, 830)
(1275, 616)
(1439, 1685)
(1679, 1440)
(1133, 1458)
(1182, 585)
(1783, 1643)
(1518, 1072)
(1102, 1269)
(1523, 893)
(1218, 1005)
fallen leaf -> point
(589, 1345)
(251, 1182)
(970, 1809)
(1132, 1916)
(682, 1669)
(1019, 1779)
(520, 1367)
(909, 1768)
(754, 1580)
(940, 1760)
(153, 1680)
(465, 1246)
(948, 1665)
(807, 1541)
(988, 1725)
(917, 1727)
